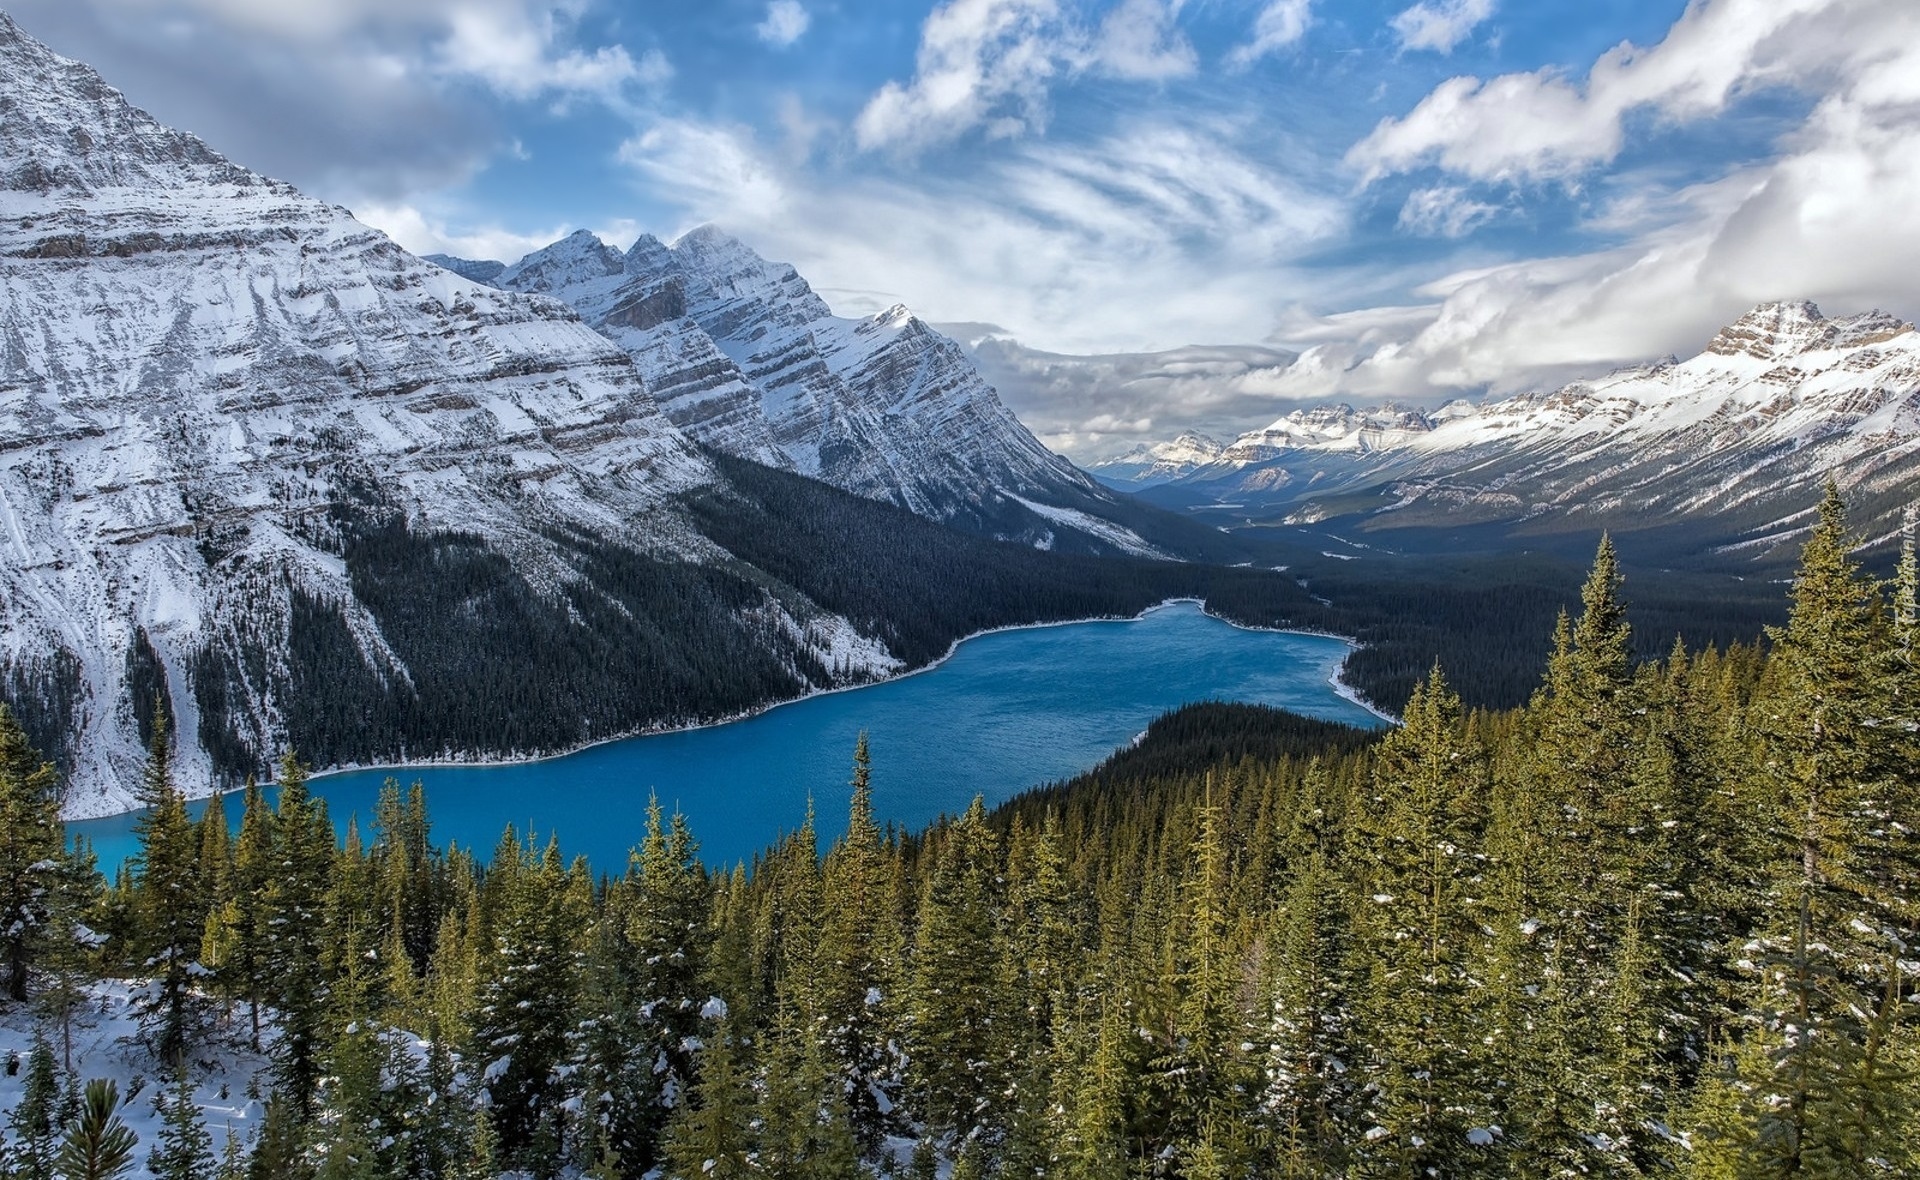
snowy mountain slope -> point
(745, 357)
(1157, 463)
(212, 389)
(1331, 428)
(1741, 434)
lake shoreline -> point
(1337, 681)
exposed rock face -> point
(201, 369)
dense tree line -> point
(1656, 922)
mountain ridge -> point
(744, 356)
(1742, 432)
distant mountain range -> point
(260, 463)
(1732, 442)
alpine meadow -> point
(1280, 590)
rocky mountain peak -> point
(1773, 331)
(648, 255)
(579, 257)
(1873, 327)
(63, 129)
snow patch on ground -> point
(106, 1045)
(1116, 535)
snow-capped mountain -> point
(743, 356)
(218, 395)
(1331, 428)
(1156, 463)
(1742, 433)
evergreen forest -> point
(1657, 920)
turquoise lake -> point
(1007, 711)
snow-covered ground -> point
(106, 1045)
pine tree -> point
(70, 954)
(711, 1134)
(168, 901)
(35, 1118)
(291, 959)
(184, 1150)
(31, 840)
(1418, 938)
(956, 1068)
(525, 1012)
(97, 1144)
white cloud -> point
(1541, 125)
(423, 234)
(1281, 23)
(1440, 25)
(1444, 211)
(787, 21)
(1157, 235)
(980, 62)
(353, 99)
(517, 54)
(1830, 219)
(1138, 39)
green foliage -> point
(97, 1144)
(1654, 922)
(170, 902)
(35, 1119)
(185, 1149)
(31, 840)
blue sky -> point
(1428, 198)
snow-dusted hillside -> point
(203, 373)
(1741, 433)
(745, 357)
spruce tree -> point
(712, 1133)
(291, 961)
(526, 1008)
(244, 928)
(31, 841)
(277, 1151)
(1418, 936)
(168, 902)
(1207, 1072)
(956, 1070)
(1304, 1102)
(70, 954)
(860, 960)
(1830, 993)
(35, 1119)
(184, 1150)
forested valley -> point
(1657, 921)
